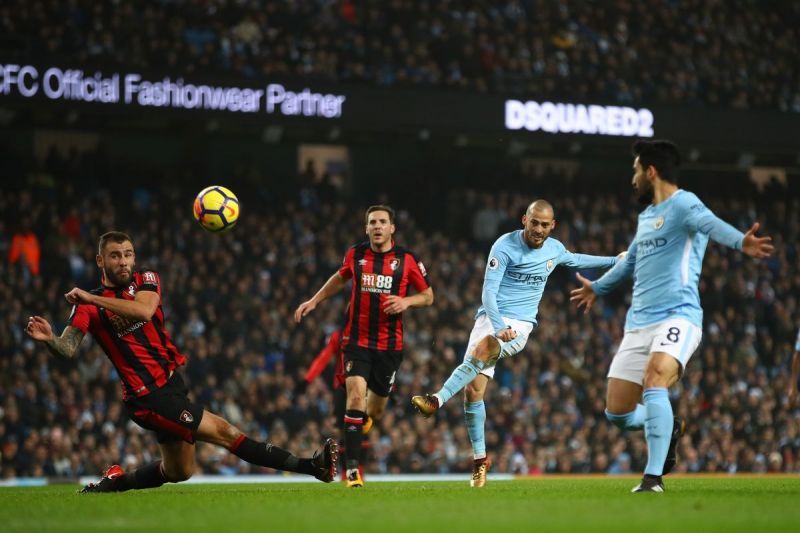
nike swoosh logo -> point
(651, 418)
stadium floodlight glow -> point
(578, 118)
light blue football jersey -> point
(666, 257)
(516, 275)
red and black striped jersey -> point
(375, 276)
(141, 351)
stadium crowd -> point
(738, 54)
(229, 301)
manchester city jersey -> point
(666, 257)
(516, 275)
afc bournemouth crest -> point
(186, 417)
(348, 366)
(393, 265)
(658, 223)
(549, 264)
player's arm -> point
(395, 304)
(587, 293)
(64, 346)
(700, 218)
(622, 270)
(142, 307)
(495, 270)
(334, 284)
(418, 278)
(580, 261)
(421, 299)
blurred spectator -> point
(231, 299)
(25, 247)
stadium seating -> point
(229, 301)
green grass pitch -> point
(546, 504)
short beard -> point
(645, 195)
(113, 279)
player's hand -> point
(78, 296)
(506, 334)
(622, 255)
(303, 309)
(758, 247)
(583, 296)
(394, 305)
(39, 329)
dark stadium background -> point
(422, 129)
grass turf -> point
(545, 504)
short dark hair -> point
(379, 207)
(112, 236)
(661, 155)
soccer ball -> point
(216, 208)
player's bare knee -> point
(487, 349)
(357, 401)
(227, 433)
(180, 473)
(660, 375)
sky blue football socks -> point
(475, 415)
(657, 428)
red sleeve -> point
(322, 359)
(80, 317)
(150, 282)
(417, 274)
(346, 270)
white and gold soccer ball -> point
(216, 208)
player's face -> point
(117, 262)
(379, 228)
(641, 184)
(537, 226)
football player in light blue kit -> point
(519, 265)
(664, 322)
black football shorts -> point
(378, 367)
(167, 411)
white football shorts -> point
(483, 327)
(677, 337)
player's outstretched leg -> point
(486, 353)
(325, 460)
(425, 404)
(322, 465)
(116, 480)
(217, 430)
(678, 430)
